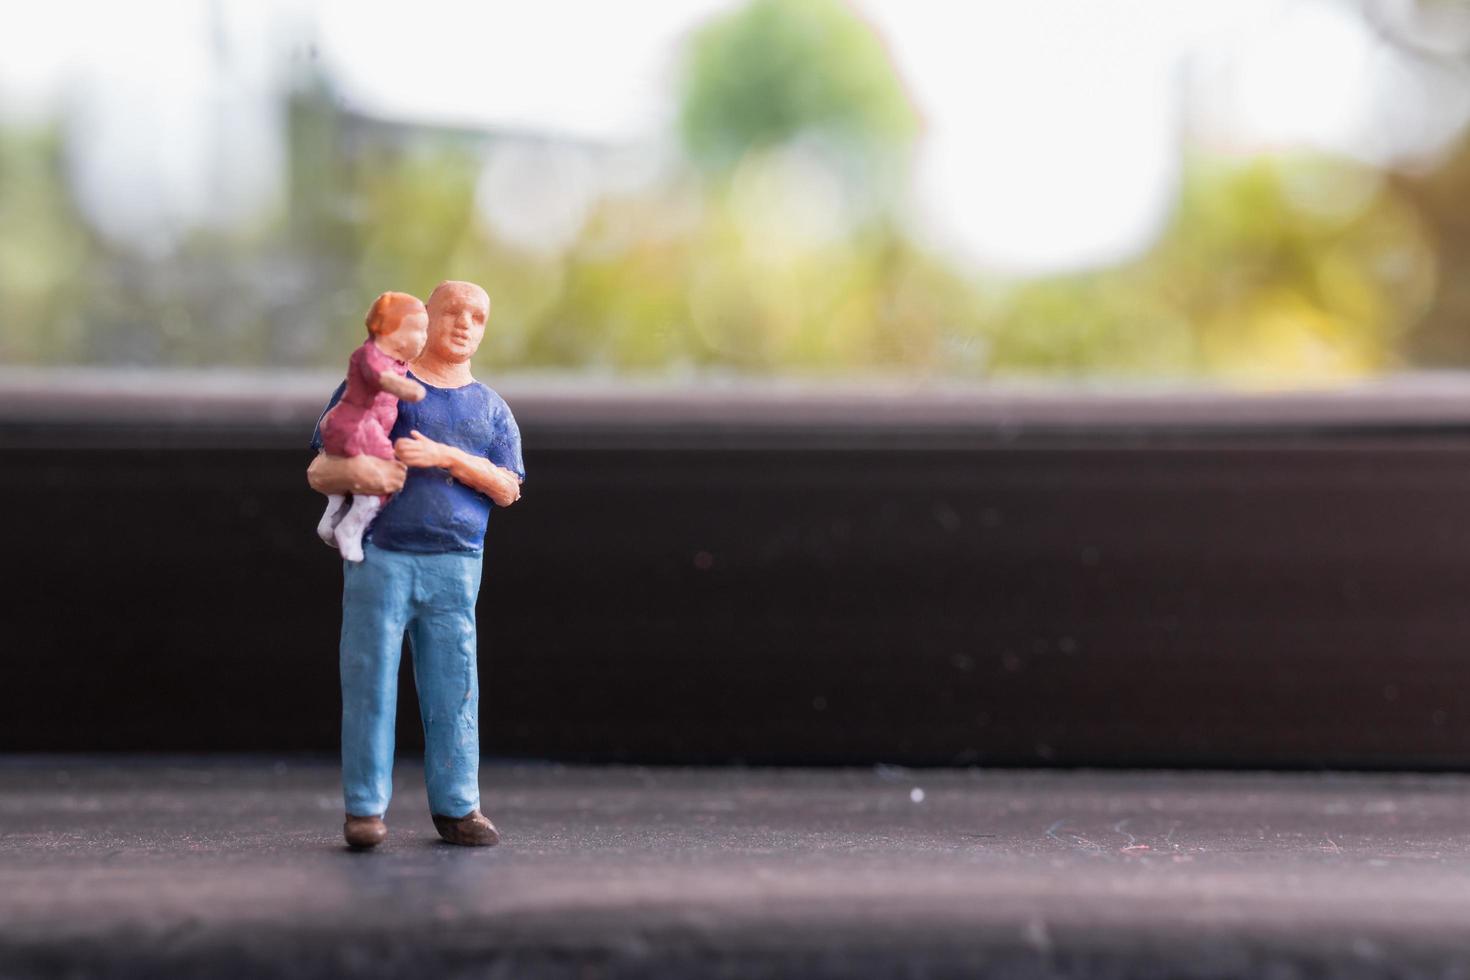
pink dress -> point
(359, 424)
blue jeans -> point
(432, 599)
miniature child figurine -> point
(398, 328)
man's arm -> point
(475, 472)
(355, 474)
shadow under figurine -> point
(456, 456)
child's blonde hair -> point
(378, 313)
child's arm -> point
(400, 387)
(375, 367)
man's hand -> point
(418, 450)
(355, 474)
(495, 482)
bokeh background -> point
(1257, 193)
(910, 381)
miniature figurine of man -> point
(458, 455)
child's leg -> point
(330, 517)
(349, 533)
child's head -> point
(399, 324)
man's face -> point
(457, 315)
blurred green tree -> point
(1274, 270)
(775, 70)
(778, 245)
(44, 248)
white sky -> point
(1053, 131)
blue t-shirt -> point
(434, 513)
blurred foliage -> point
(777, 70)
(44, 248)
(775, 245)
(1274, 270)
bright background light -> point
(1053, 132)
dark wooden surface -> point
(169, 867)
(1198, 605)
(1170, 581)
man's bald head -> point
(451, 289)
(457, 314)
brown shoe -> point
(473, 829)
(364, 832)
